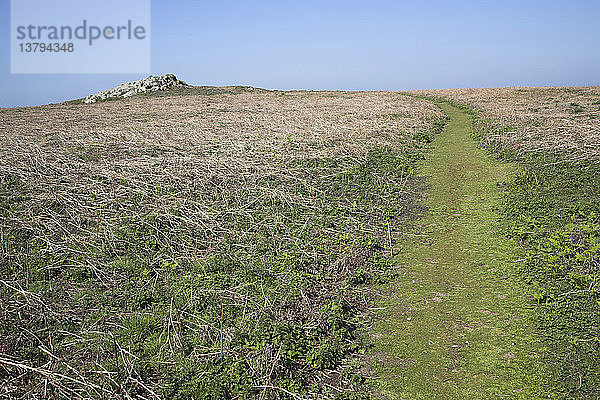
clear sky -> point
(353, 45)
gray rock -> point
(149, 84)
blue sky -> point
(353, 45)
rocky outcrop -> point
(149, 84)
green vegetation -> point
(553, 208)
(455, 324)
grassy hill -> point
(215, 243)
(200, 243)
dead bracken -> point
(556, 120)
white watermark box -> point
(80, 36)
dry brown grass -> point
(240, 126)
(196, 144)
(560, 120)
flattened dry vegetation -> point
(559, 121)
(553, 208)
(213, 245)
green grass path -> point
(455, 325)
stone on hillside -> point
(149, 84)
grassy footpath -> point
(456, 325)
